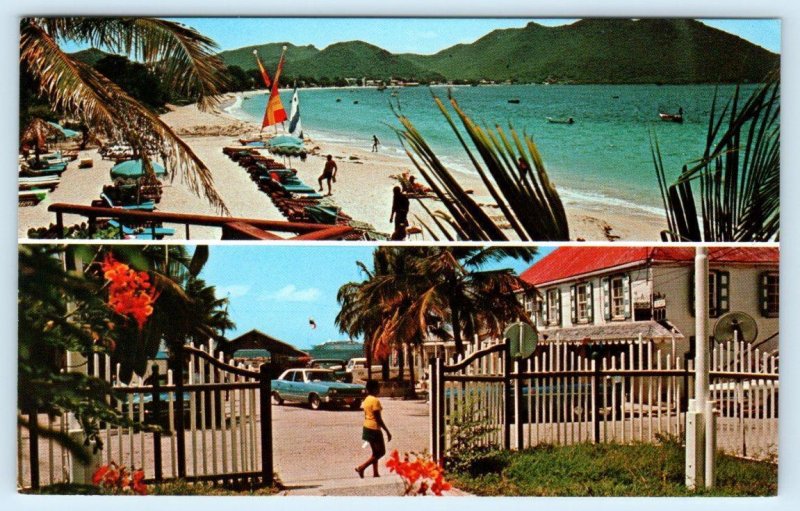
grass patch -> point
(178, 487)
(607, 470)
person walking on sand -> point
(399, 214)
(371, 432)
(328, 173)
(375, 143)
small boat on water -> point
(514, 101)
(671, 117)
(338, 100)
(568, 120)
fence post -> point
(598, 380)
(179, 404)
(159, 476)
(518, 403)
(34, 447)
(440, 400)
(265, 402)
(507, 397)
(433, 397)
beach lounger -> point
(29, 183)
(144, 206)
(143, 233)
(31, 197)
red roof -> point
(566, 262)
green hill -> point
(90, 56)
(588, 51)
(606, 51)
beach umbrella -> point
(65, 132)
(37, 132)
(134, 169)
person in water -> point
(399, 215)
(328, 173)
(523, 167)
(371, 431)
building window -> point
(582, 303)
(770, 294)
(617, 298)
(553, 303)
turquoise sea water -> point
(602, 160)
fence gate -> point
(215, 425)
(627, 390)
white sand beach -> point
(363, 188)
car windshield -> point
(320, 376)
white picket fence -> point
(635, 391)
(220, 440)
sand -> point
(363, 188)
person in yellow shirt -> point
(373, 424)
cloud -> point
(234, 290)
(290, 293)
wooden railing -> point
(232, 227)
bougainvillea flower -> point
(129, 291)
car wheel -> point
(314, 402)
(277, 399)
(355, 405)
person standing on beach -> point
(375, 143)
(399, 215)
(371, 432)
(328, 173)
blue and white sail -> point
(295, 127)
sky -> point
(276, 289)
(414, 35)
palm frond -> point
(80, 91)
(737, 179)
(528, 201)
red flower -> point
(420, 474)
(115, 479)
(129, 291)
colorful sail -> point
(264, 75)
(275, 113)
(295, 127)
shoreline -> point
(363, 190)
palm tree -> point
(738, 176)
(182, 57)
(527, 199)
(477, 302)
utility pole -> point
(700, 423)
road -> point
(325, 445)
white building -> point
(602, 293)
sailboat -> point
(295, 126)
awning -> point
(649, 330)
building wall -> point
(743, 295)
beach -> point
(363, 188)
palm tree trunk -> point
(401, 363)
(412, 376)
(455, 315)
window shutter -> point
(763, 290)
(723, 292)
(573, 303)
(590, 302)
(605, 283)
(626, 296)
(560, 322)
(691, 293)
(546, 311)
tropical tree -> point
(63, 307)
(737, 180)
(512, 171)
(179, 55)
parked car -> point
(357, 367)
(316, 387)
(336, 365)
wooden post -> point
(508, 408)
(265, 401)
(34, 448)
(433, 398)
(518, 403)
(598, 394)
(60, 225)
(157, 460)
(179, 405)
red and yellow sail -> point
(264, 75)
(275, 113)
